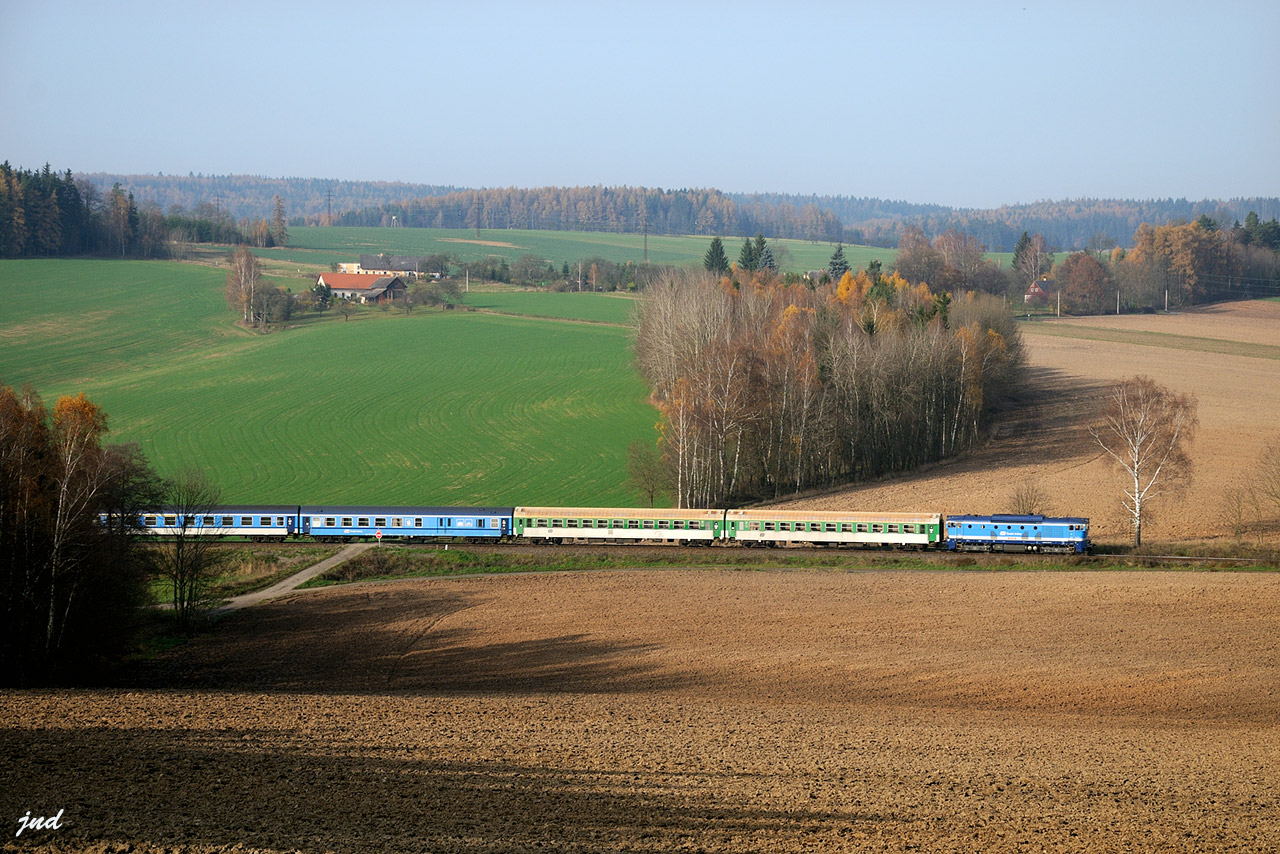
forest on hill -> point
(1066, 224)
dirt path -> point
(294, 581)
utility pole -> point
(328, 220)
(644, 225)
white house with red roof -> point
(364, 288)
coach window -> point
(362, 522)
(330, 522)
(397, 523)
(207, 521)
(149, 521)
(877, 529)
(647, 524)
(379, 521)
(633, 524)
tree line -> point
(631, 210)
(1184, 263)
(47, 214)
(768, 388)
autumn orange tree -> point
(1085, 283)
(1193, 262)
(71, 575)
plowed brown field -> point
(1228, 356)
(684, 711)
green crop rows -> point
(439, 407)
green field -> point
(324, 246)
(596, 308)
(439, 407)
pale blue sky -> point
(965, 104)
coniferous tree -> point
(747, 256)
(767, 261)
(279, 224)
(837, 266)
(715, 260)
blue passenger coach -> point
(255, 521)
(1015, 533)
(478, 524)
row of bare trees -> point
(768, 388)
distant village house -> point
(364, 288)
(1037, 294)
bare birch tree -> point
(188, 558)
(243, 281)
(1146, 429)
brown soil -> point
(684, 710)
(1046, 440)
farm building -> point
(1038, 293)
(366, 289)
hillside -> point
(1067, 224)
(1226, 355)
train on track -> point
(570, 525)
